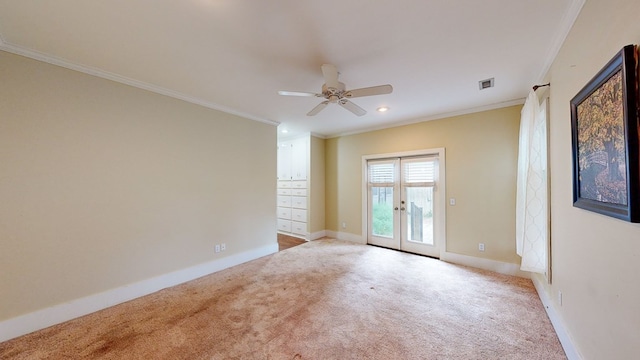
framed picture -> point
(605, 126)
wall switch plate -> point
(481, 247)
(217, 249)
(452, 201)
(560, 298)
(223, 247)
(344, 225)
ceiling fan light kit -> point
(335, 92)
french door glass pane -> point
(419, 214)
(382, 211)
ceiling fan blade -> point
(374, 90)
(318, 108)
(352, 107)
(330, 74)
(297, 93)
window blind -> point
(419, 172)
(381, 173)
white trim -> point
(127, 81)
(444, 115)
(566, 23)
(565, 339)
(41, 319)
(485, 264)
(291, 234)
(318, 235)
(466, 260)
(320, 136)
(359, 239)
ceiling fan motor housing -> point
(329, 91)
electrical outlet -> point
(452, 202)
(344, 225)
(481, 247)
(223, 247)
(217, 248)
(560, 298)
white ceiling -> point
(234, 55)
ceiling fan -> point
(335, 92)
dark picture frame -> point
(604, 129)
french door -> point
(404, 204)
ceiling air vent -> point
(485, 84)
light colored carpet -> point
(322, 300)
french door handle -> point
(396, 208)
(402, 208)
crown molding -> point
(18, 50)
(433, 117)
(319, 136)
(566, 24)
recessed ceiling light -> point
(382, 109)
(284, 131)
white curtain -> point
(532, 218)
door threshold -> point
(404, 251)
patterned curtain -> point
(532, 219)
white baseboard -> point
(480, 263)
(346, 236)
(485, 264)
(44, 318)
(318, 235)
(301, 237)
(567, 344)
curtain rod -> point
(535, 87)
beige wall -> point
(103, 185)
(481, 159)
(596, 259)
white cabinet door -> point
(284, 201)
(298, 202)
(284, 161)
(300, 184)
(295, 192)
(284, 225)
(284, 213)
(298, 215)
(299, 159)
(299, 228)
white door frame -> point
(441, 241)
(394, 242)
